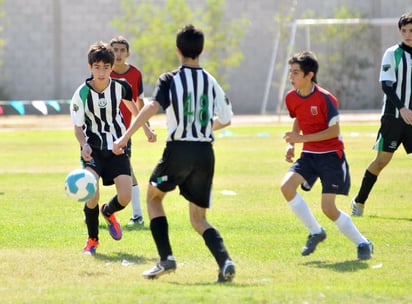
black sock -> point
(92, 221)
(112, 206)
(214, 242)
(160, 233)
(368, 181)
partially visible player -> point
(126, 71)
(396, 120)
(316, 125)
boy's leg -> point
(137, 212)
(348, 228)
(92, 223)
(160, 232)
(369, 179)
(213, 241)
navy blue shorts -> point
(331, 168)
(393, 132)
(188, 165)
(108, 165)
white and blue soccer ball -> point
(80, 185)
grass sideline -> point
(42, 232)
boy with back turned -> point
(195, 106)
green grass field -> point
(42, 232)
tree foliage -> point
(347, 51)
(151, 29)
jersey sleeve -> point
(161, 92)
(127, 92)
(77, 109)
(223, 109)
(388, 68)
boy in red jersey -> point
(316, 125)
(128, 72)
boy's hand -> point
(86, 152)
(292, 137)
(290, 153)
(406, 115)
(150, 134)
(118, 147)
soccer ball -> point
(80, 185)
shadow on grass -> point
(347, 266)
(122, 257)
(213, 283)
(391, 218)
(103, 226)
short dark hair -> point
(307, 62)
(120, 40)
(405, 19)
(100, 51)
(190, 41)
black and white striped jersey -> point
(99, 113)
(397, 68)
(191, 98)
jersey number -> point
(203, 112)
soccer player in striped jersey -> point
(396, 121)
(195, 106)
(316, 125)
(95, 112)
(126, 71)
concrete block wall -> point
(47, 40)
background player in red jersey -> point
(316, 125)
(128, 72)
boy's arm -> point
(391, 95)
(86, 150)
(131, 106)
(331, 132)
(217, 125)
(134, 109)
(290, 150)
(144, 115)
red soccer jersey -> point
(315, 113)
(134, 77)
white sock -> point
(302, 211)
(136, 208)
(348, 228)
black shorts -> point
(331, 168)
(189, 165)
(393, 132)
(108, 165)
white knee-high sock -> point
(348, 228)
(302, 211)
(136, 207)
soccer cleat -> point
(136, 221)
(161, 268)
(313, 241)
(227, 273)
(113, 225)
(90, 247)
(365, 251)
(357, 208)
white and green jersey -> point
(191, 98)
(397, 68)
(99, 113)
